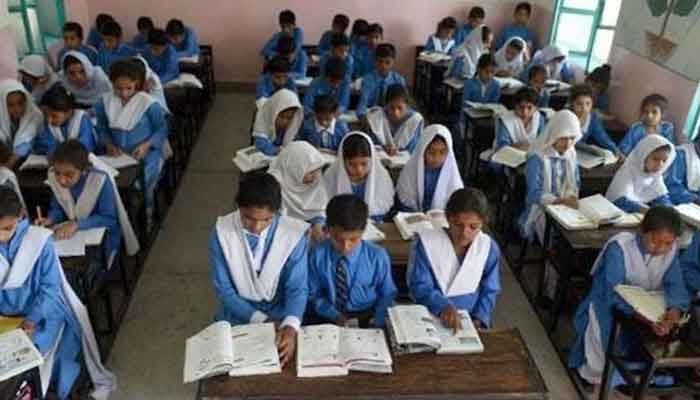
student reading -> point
(323, 129)
(259, 262)
(37, 75)
(591, 123)
(277, 122)
(349, 276)
(20, 119)
(88, 83)
(275, 76)
(332, 83)
(457, 268)
(651, 114)
(396, 126)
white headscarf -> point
(29, 123)
(632, 182)
(379, 188)
(516, 128)
(125, 116)
(265, 121)
(471, 49)
(37, 66)
(300, 200)
(517, 64)
(98, 83)
(156, 89)
(410, 187)
(546, 57)
(692, 165)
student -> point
(340, 47)
(647, 259)
(85, 196)
(651, 113)
(466, 56)
(145, 26)
(366, 64)
(555, 61)
(396, 126)
(62, 122)
(288, 27)
(298, 60)
(683, 178)
(431, 175)
(277, 123)
(161, 56)
(332, 83)
(8, 179)
(340, 25)
(73, 40)
(112, 48)
(350, 277)
(298, 169)
(599, 81)
(359, 171)
(639, 183)
(37, 75)
(457, 268)
(521, 19)
(521, 127)
(482, 88)
(153, 86)
(376, 83)
(323, 129)
(690, 265)
(184, 40)
(86, 82)
(20, 119)
(551, 172)
(95, 36)
(359, 46)
(257, 278)
(131, 121)
(511, 58)
(537, 79)
(476, 17)
(35, 288)
(591, 125)
(274, 78)
(442, 41)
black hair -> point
(58, 98)
(347, 212)
(111, 28)
(666, 147)
(655, 100)
(340, 39)
(128, 68)
(397, 91)
(526, 95)
(516, 44)
(101, 20)
(175, 27)
(485, 33)
(438, 138)
(662, 218)
(356, 146)
(72, 152)
(376, 28)
(144, 23)
(73, 27)
(486, 60)
(10, 204)
(385, 50)
(580, 91)
(325, 104)
(285, 45)
(278, 65)
(536, 69)
(341, 20)
(477, 12)
(158, 37)
(336, 68)
(446, 23)
(259, 190)
(70, 60)
(468, 200)
(287, 17)
(5, 153)
(601, 75)
(360, 28)
(524, 6)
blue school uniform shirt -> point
(630, 206)
(292, 291)
(638, 131)
(105, 56)
(310, 133)
(45, 143)
(690, 265)
(266, 87)
(596, 134)
(369, 281)
(349, 65)
(321, 87)
(359, 49)
(365, 64)
(189, 47)
(601, 102)
(462, 34)
(324, 45)
(139, 42)
(503, 137)
(94, 38)
(89, 52)
(166, 65)
(520, 31)
(677, 180)
(425, 289)
(269, 50)
(374, 88)
(299, 65)
(476, 91)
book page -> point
(410, 223)
(509, 156)
(35, 161)
(17, 354)
(599, 209)
(75, 245)
(372, 233)
(438, 219)
(254, 350)
(570, 218)
(208, 353)
(690, 213)
(465, 340)
(367, 346)
(588, 161)
(649, 304)
(509, 83)
(414, 324)
(122, 161)
(319, 345)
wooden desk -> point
(29, 379)
(597, 180)
(399, 249)
(504, 371)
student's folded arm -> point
(296, 289)
(628, 141)
(690, 265)
(629, 206)
(317, 296)
(675, 289)
(489, 287)
(503, 138)
(386, 288)
(159, 125)
(105, 213)
(422, 285)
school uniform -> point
(8, 179)
(366, 63)
(466, 55)
(638, 131)
(140, 42)
(324, 45)
(269, 50)
(34, 287)
(683, 177)
(18, 136)
(377, 189)
(323, 138)
(155, 87)
(106, 57)
(373, 92)
(519, 31)
(594, 133)
(268, 139)
(321, 87)
(299, 65)
(403, 135)
(358, 282)
(515, 66)
(690, 265)
(420, 188)
(37, 66)
(189, 47)
(78, 127)
(544, 97)
(359, 50)
(98, 83)
(601, 102)
(556, 70)
(632, 189)
(266, 87)
(166, 65)
(89, 52)
(475, 90)
(349, 65)
(624, 260)
(511, 130)
(94, 38)
(437, 45)
(256, 277)
(462, 33)
(437, 277)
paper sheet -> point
(75, 246)
(35, 161)
(121, 161)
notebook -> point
(330, 350)
(35, 161)
(240, 350)
(75, 245)
(372, 233)
(396, 161)
(509, 156)
(591, 156)
(483, 110)
(649, 304)
(122, 161)
(413, 329)
(250, 159)
(17, 354)
(690, 212)
(409, 224)
(592, 212)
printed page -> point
(438, 219)
(649, 304)
(465, 340)
(599, 209)
(123, 161)
(208, 353)
(509, 156)
(690, 213)
(365, 350)
(410, 223)
(570, 218)
(414, 325)
(17, 354)
(318, 352)
(75, 245)
(254, 350)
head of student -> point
(278, 69)
(287, 21)
(285, 118)
(285, 47)
(259, 199)
(467, 212)
(325, 110)
(581, 100)
(175, 29)
(476, 16)
(11, 211)
(655, 162)
(522, 13)
(561, 133)
(537, 77)
(157, 41)
(357, 156)
(360, 29)
(111, 34)
(34, 70)
(340, 23)
(144, 25)
(397, 102)
(127, 78)
(101, 20)
(514, 48)
(70, 162)
(72, 35)
(58, 104)
(486, 37)
(486, 67)
(446, 28)
(652, 109)
(525, 103)
(376, 35)
(660, 229)
(16, 103)
(75, 71)
(599, 79)
(346, 219)
(340, 45)
(385, 56)
(436, 152)
(335, 71)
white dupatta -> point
(381, 127)
(517, 64)
(97, 85)
(265, 125)
(125, 117)
(155, 88)
(470, 50)
(439, 47)
(546, 57)
(30, 122)
(73, 127)
(516, 128)
(692, 166)
(9, 177)
(38, 67)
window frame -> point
(22, 9)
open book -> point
(75, 245)
(509, 156)
(372, 233)
(35, 161)
(122, 161)
(592, 212)
(395, 161)
(591, 156)
(484, 110)
(413, 329)
(409, 224)
(17, 354)
(554, 85)
(509, 83)
(239, 350)
(649, 304)
(250, 159)
(690, 212)
(433, 57)
(329, 350)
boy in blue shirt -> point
(112, 49)
(365, 65)
(322, 128)
(288, 27)
(144, 26)
(521, 17)
(340, 24)
(349, 277)
(298, 60)
(73, 40)
(275, 77)
(161, 56)
(359, 46)
(476, 17)
(183, 39)
(375, 83)
(340, 47)
(332, 83)
(592, 126)
(95, 37)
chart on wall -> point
(665, 31)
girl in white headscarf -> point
(88, 83)
(511, 58)
(555, 60)
(639, 183)
(37, 73)
(683, 177)
(20, 119)
(431, 175)
(277, 122)
(298, 171)
(466, 56)
(153, 85)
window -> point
(692, 122)
(586, 28)
(36, 23)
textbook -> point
(396, 161)
(509, 84)
(649, 304)
(557, 86)
(35, 161)
(17, 354)
(592, 212)
(409, 224)
(239, 350)
(330, 350)
(372, 233)
(434, 57)
(122, 161)
(484, 110)
(250, 159)
(413, 329)
(591, 156)
(509, 156)
(76, 244)
(690, 212)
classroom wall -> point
(77, 10)
(237, 29)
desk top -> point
(504, 370)
(33, 179)
(399, 249)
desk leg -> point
(545, 257)
(609, 366)
(563, 280)
(644, 380)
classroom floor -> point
(174, 298)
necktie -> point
(341, 285)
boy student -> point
(340, 47)
(112, 48)
(476, 17)
(349, 277)
(340, 24)
(184, 40)
(73, 40)
(358, 44)
(298, 60)
(161, 56)
(275, 77)
(375, 83)
(144, 26)
(323, 129)
(332, 83)
(95, 36)
(259, 262)
(591, 124)
(537, 79)
(288, 27)
(521, 18)
(366, 63)
(651, 114)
